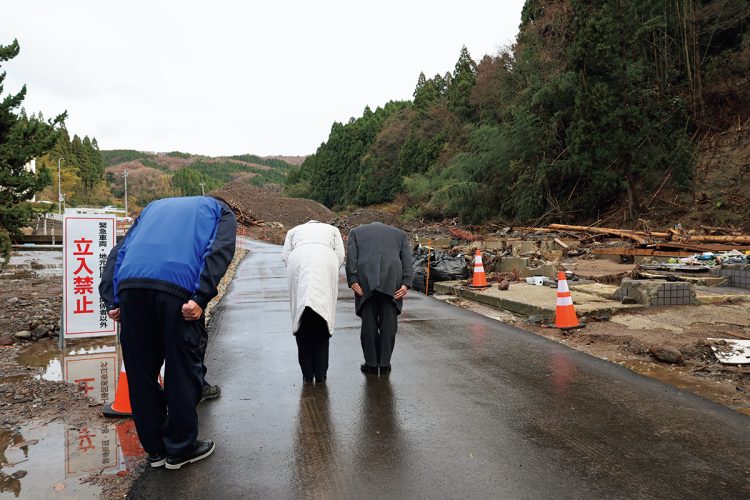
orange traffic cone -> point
(479, 280)
(121, 406)
(565, 315)
(128, 438)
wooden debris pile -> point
(674, 242)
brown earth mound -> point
(385, 214)
(262, 206)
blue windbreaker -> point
(182, 246)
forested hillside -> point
(82, 170)
(598, 107)
(156, 175)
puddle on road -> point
(48, 460)
(63, 365)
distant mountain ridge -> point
(114, 157)
(154, 175)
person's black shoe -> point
(385, 370)
(368, 370)
(210, 392)
(156, 459)
(320, 379)
(202, 450)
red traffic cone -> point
(565, 314)
(478, 280)
(121, 406)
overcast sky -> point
(229, 77)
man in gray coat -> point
(379, 270)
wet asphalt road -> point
(473, 409)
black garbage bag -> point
(442, 268)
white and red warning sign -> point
(91, 448)
(87, 241)
(95, 375)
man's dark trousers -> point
(154, 331)
(312, 345)
(379, 324)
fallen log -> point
(701, 247)
(631, 252)
(740, 240)
(525, 229)
(641, 239)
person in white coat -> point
(313, 253)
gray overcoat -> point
(379, 259)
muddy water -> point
(48, 460)
(55, 364)
(709, 389)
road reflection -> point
(380, 442)
(315, 470)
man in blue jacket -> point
(157, 281)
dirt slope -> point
(268, 207)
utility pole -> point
(59, 188)
(125, 175)
(203, 192)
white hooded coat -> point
(313, 253)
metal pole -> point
(125, 175)
(427, 281)
(62, 325)
(59, 188)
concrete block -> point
(508, 264)
(657, 292)
(738, 274)
(523, 266)
(492, 245)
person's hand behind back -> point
(114, 314)
(191, 311)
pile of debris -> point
(675, 242)
(605, 255)
(256, 207)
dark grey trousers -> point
(379, 324)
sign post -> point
(87, 240)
